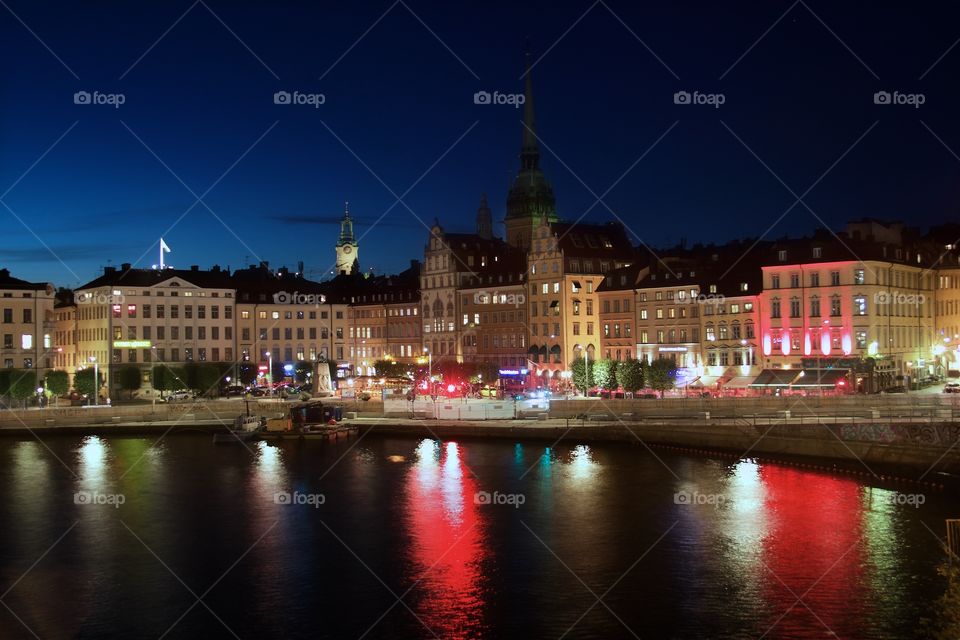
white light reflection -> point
(582, 465)
(93, 454)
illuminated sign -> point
(132, 344)
(672, 349)
(263, 367)
(513, 372)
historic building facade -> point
(28, 324)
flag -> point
(163, 246)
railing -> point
(953, 540)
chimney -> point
(125, 266)
(194, 267)
(107, 271)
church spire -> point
(484, 219)
(529, 150)
(346, 227)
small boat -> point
(245, 429)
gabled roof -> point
(10, 283)
(126, 276)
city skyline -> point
(399, 84)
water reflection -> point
(447, 546)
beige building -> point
(840, 304)
(144, 317)
(283, 318)
(28, 324)
(566, 264)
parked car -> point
(952, 387)
(896, 389)
(179, 396)
(233, 390)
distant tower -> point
(530, 199)
(484, 219)
(347, 249)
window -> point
(861, 339)
(835, 306)
(859, 305)
(817, 252)
(815, 307)
(26, 341)
(814, 279)
(794, 280)
(794, 307)
(775, 282)
(835, 278)
(782, 255)
(858, 276)
(775, 308)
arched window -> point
(437, 309)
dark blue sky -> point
(199, 99)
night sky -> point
(198, 82)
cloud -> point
(42, 255)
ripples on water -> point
(476, 539)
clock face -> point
(347, 249)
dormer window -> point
(782, 255)
(744, 286)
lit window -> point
(26, 341)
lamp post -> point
(586, 373)
(96, 381)
(269, 370)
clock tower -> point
(347, 249)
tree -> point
(605, 373)
(163, 378)
(487, 372)
(129, 378)
(84, 383)
(661, 374)
(630, 375)
(583, 374)
(390, 369)
(302, 370)
(58, 384)
(208, 379)
(5, 381)
(23, 384)
(246, 372)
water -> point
(599, 547)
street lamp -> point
(269, 370)
(96, 381)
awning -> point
(555, 303)
(820, 377)
(739, 382)
(776, 378)
(576, 284)
(705, 381)
(680, 384)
